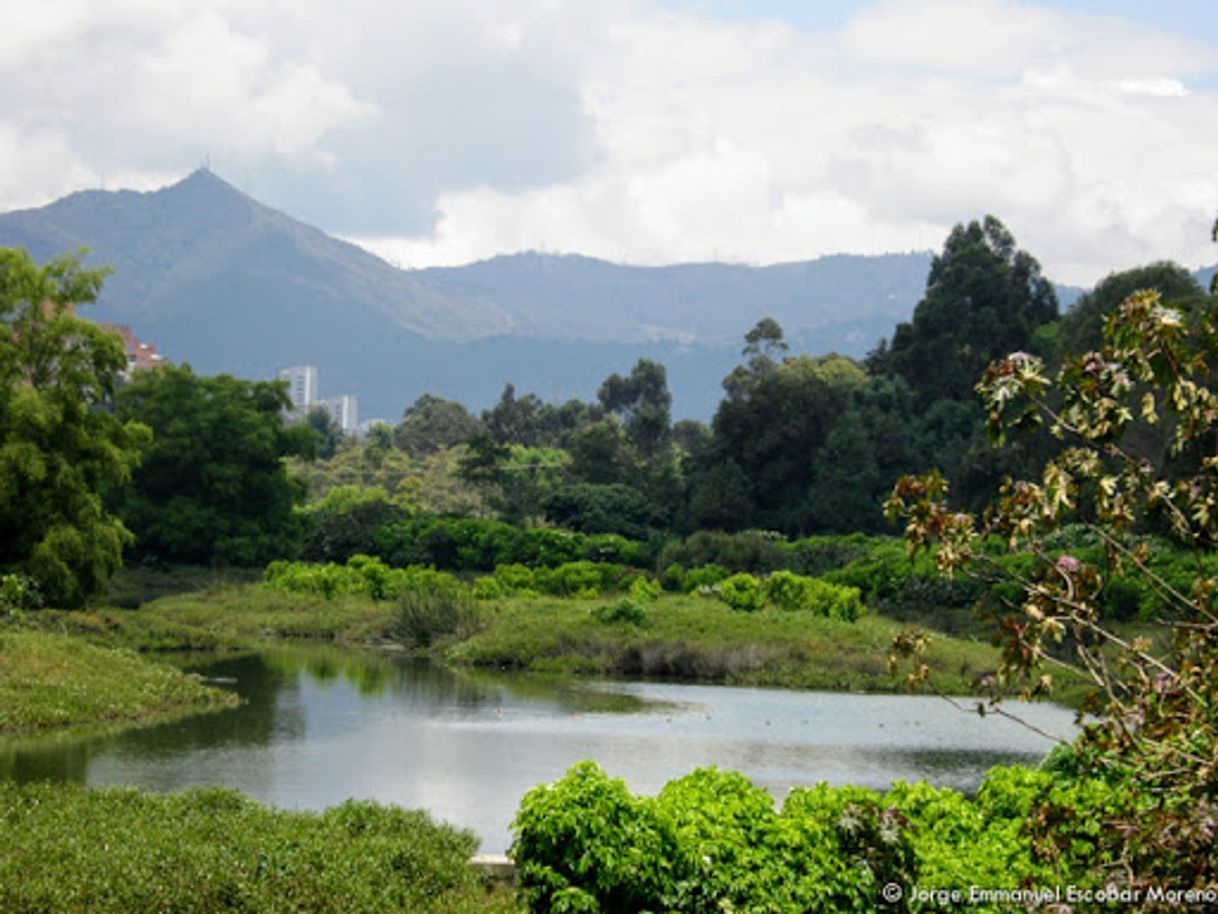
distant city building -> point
(344, 410)
(302, 386)
(139, 354)
(304, 392)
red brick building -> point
(139, 354)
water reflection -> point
(321, 725)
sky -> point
(641, 131)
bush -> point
(704, 576)
(478, 544)
(596, 508)
(673, 579)
(794, 592)
(751, 551)
(816, 555)
(645, 590)
(18, 592)
(625, 610)
(515, 580)
(712, 841)
(488, 588)
(73, 850)
(424, 616)
(574, 579)
(741, 592)
(585, 843)
(361, 575)
(346, 522)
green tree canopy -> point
(432, 423)
(60, 451)
(213, 486)
(643, 402)
(529, 421)
(984, 298)
(772, 422)
(1153, 737)
(329, 433)
(1082, 326)
(589, 508)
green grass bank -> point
(51, 681)
(697, 639)
(76, 851)
(681, 637)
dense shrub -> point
(704, 576)
(712, 841)
(478, 544)
(645, 590)
(118, 851)
(597, 508)
(626, 610)
(346, 521)
(741, 591)
(361, 575)
(585, 844)
(795, 592)
(751, 551)
(816, 555)
(572, 579)
(425, 615)
(18, 592)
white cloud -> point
(624, 131)
(755, 142)
(145, 89)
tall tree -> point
(984, 298)
(643, 402)
(432, 423)
(60, 450)
(772, 422)
(213, 487)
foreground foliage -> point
(77, 851)
(712, 841)
(1157, 734)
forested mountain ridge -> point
(217, 279)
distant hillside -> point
(217, 279)
(842, 302)
(201, 247)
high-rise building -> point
(302, 385)
(344, 410)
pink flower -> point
(1068, 564)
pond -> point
(321, 725)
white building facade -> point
(302, 385)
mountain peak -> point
(203, 181)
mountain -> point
(202, 246)
(214, 278)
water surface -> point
(322, 725)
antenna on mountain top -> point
(207, 161)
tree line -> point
(174, 466)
